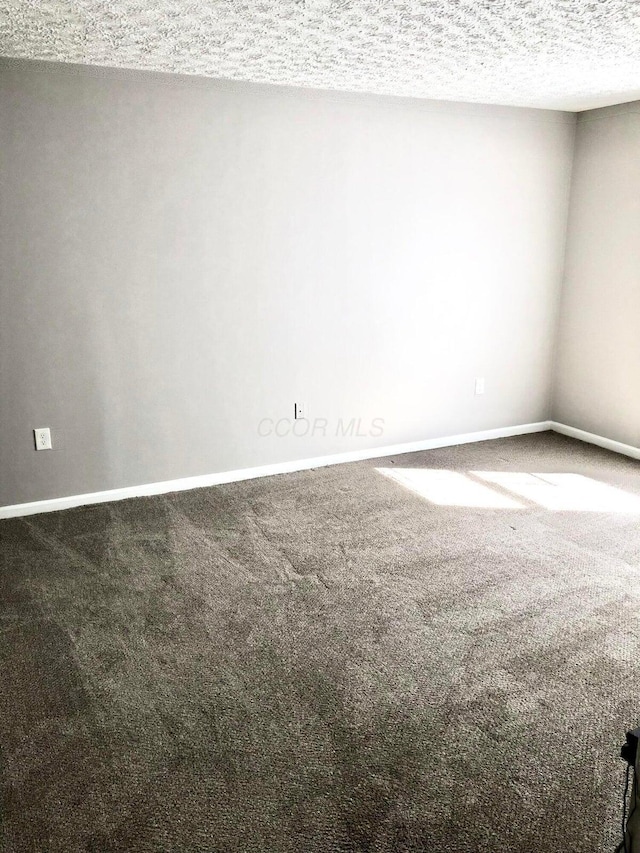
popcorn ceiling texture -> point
(565, 54)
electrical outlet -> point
(42, 438)
(299, 411)
(480, 385)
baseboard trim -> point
(54, 504)
(599, 440)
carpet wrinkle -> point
(287, 568)
(322, 662)
(196, 556)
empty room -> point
(319, 426)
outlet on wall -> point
(42, 438)
(480, 385)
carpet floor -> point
(431, 652)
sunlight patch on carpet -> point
(450, 488)
(507, 489)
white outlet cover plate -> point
(480, 385)
(42, 437)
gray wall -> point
(181, 258)
(597, 382)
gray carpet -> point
(326, 661)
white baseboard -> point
(592, 438)
(185, 483)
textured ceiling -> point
(564, 54)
